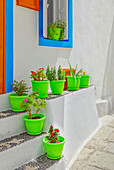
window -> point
(55, 23)
(54, 10)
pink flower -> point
(25, 100)
(38, 89)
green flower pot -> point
(57, 86)
(42, 85)
(16, 100)
(54, 150)
(34, 126)
(54, 34)
(84, 81)
(72, 83)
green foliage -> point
(33, 101)
(75, 73)
(19, 88)
(53, 135)
(52, 75)
(61, 74)
(57, 24)
(38, 75)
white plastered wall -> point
(93, 45)
(92, 33)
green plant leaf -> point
(75, 69)
(71, 71)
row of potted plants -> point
(21, 101)
(34, 121)
(74, 80)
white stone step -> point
(74, 113)
(20, 149)
(11, 123)
(43, 163)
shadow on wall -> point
(108, 83)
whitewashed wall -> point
(93, 21)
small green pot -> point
(54, 150)
(54, 34)
(34, 126)
(72, 83)
(84, 81)
(42, 85)
(16, 100)
(57, 86)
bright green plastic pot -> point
(73, 84)
(42, 85)
(54, 150)
(84, 81)
(57, 86)
(34, 126)
(54, 34)
(16, 100)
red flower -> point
(52, 133)
(33, 73)
(51, 126)
(49, 136)
(30, 87)
(56, 130)
(53, 140)
(39, 74)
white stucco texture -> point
(92, 49)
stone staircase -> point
(74, 113)
(18, 148)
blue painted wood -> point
(9, 45)
(52, 43)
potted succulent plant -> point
(39, 83)
(20, 89)
(54, 143)
(74, 79)
(56, 30)
(33, 122)
(56, 81)
(84, 81)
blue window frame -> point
(52, 43)
(9, 45)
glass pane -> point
(55, 19)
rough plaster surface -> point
(93, 44)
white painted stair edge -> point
(21, 154)
(11, 126)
